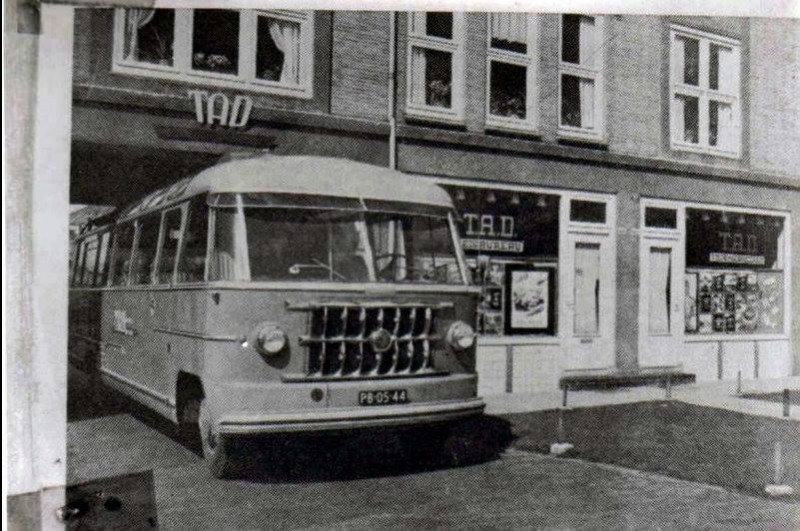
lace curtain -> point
(286, 36)
(511, 27)
(135, 20)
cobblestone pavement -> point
(516, 490)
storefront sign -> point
(719, 238)
(502, 222)
(216, 108)
(738, 259)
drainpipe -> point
(392, 90)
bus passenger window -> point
(123, 243)
(102, 260)
(193, 257)
(78, 267)
(169, 245)
(89, 262)
(145, 253)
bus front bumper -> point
(345, 419)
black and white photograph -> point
(405, 265)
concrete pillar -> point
(38, 66)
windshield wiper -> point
(295, 269)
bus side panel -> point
(85, 329)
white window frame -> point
(528, 60)
(704, 93)
(595, 73)
(455, 47)
(181, 70)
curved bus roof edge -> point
(311, 175)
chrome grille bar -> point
(341, 336)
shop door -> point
(660, 302)
(590, 294)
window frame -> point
(455, 47)
(162, 234)
(181, 70)
(704, 93)
(595, 73)
(529, 60)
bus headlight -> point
(460, 336)
(270, 340)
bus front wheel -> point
(216, 447)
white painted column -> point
(37, 356)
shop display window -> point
(734, 278)
(511, 242)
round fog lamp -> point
(271, 340)
(460, 335)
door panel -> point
(661, 302)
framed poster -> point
(530, 300)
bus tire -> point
(216, 447)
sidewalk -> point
(719, 394)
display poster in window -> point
(530, 306)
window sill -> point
(433, 114)
(583, 138)
(702, 150)
(513, 127)
(715, 338)
(498, 341)
(211, 79)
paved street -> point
(367, 483)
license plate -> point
(382, 398)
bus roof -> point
(298, 175)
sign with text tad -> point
(503, 222)
(218, 109)
(714, 238)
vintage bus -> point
(273, 294)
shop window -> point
(123, 249)
(587, 211)
(145, 253)
(192, 264)
(170, 240)
(511, 242)
(435, 66)
(580, 77)
(511, 64)
(587, 289)
(267, 50)
(705, 93)
(660, 218)
(734, 273)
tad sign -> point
(217, 108)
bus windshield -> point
(318, 244)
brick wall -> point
(775, 95)
(360, 64)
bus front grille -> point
(370, 339)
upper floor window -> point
(705, 94)
(270, 51)
(435, 87)
(511, 71)
(581, 77)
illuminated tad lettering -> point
(488, 225)
(736, 242)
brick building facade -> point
(627, 133)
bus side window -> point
(170, 238)
(145, 253)
(79, 265)
(223, 261)
(90, 261)
(102, 260)
(73, 262)
(191, 267)
(123, 244)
